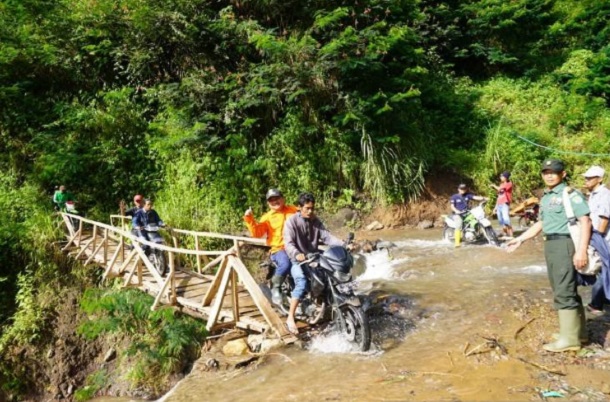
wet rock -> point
(237, 347)
(367, 246)
(425, 224)
(110, 355)
(381, 244)
(376, 225)
(344, 216)
(262, 344)
(63, 389)
(211, 364)
(270, 344)
(255, 342)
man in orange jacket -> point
(272, 225)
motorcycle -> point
(155, 256)
(475, 226)
(529, 217)
(70, 208)
(330, 297)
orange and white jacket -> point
(272, 225)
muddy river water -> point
(446, 304)
(447, 301)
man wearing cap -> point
(131, 212)
(459, 205)
(137, 205)
(561, 254)
(271, 224)
(599, 204)
(505, 196)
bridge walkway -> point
(213, 285)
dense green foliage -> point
(204, 105)
(162, 342)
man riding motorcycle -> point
(146, 216)
(303, 233)
(459, 205)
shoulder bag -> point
(594, 264)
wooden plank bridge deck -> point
(230, 297)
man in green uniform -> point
(561, 254)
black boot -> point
(276, 292)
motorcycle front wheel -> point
(448, 233)
(490, 235)
(157, 258)
(357, 327)
(525, 222)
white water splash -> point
(337, 343)
(529, 269)
(380, 265)
(425, 244)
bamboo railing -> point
(122, 254)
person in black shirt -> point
(137, 201)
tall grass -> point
(566, 125)
(388, 174)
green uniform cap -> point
(553, 164)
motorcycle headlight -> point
(342, 277)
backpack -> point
(594, 264)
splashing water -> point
(529, 269)
(422, 244)
(380, 265)
(334, 342)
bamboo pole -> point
(197, 256)
(234, 293)
(112, 262)
(209, 296)
(147, 263)
(80, 231)
(106, 244)
(82, 249)
(92, 256)
(220, 296)
(213, 262)
(236, 248)
(172, 270)
(127, 261)
(70, 241)
(259, 298)
(132, 271)
(140, 279)
(94, 237)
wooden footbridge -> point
(213, 285)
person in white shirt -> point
(599, 204)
